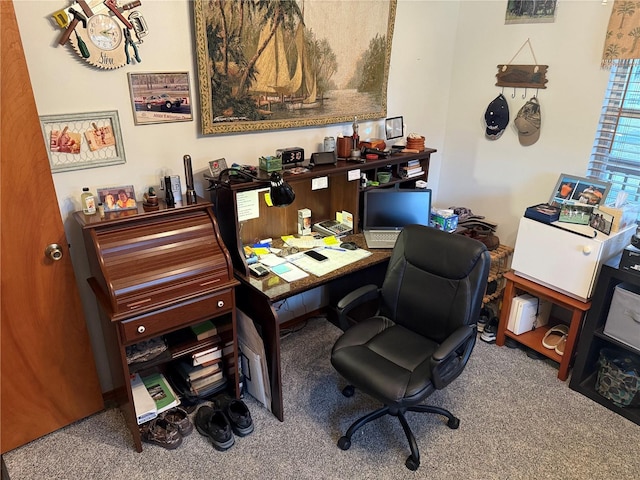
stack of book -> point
(412, 169)
(201, 380)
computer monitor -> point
(392, 209)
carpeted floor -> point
(518, 421)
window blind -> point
(615, 157)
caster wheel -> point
(348, 391)
(453, 423)
(411, 463)
(344, 443)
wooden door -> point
(48, 375)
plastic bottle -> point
(88, 201)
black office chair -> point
(423, 333)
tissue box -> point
(446, 223)
(622, 217)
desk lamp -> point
(281, 193)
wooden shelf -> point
(500, 264)
(533, 340)
(592, 340)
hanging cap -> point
(528, 122)
(496, 117)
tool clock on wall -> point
(106, 34)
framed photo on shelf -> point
(394, 128)
(572, 189)
(578, 213)
(82, 140)
(601, 221)
(116, 199)
(160, 97)
(216, 166)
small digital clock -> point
(291, 155)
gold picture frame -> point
(336, 67)
(82, 140)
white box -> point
(533, 313)
(565, 261)
(304, 221)
(623, 320)
(515, 310)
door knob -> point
(53, 251)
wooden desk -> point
(154, 273)
(256, 297)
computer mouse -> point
(349, 246)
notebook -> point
(388, 210)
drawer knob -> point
(141, 329)
(586, 249)
(220, 303)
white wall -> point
(422, 59)
(500, 178)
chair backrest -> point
(435, 281)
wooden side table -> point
(514, 285)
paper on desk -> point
(271, 260)
(336, 259)
(289, 272)
(330, 240)
(307, 241)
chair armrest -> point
(448, 361)
(364, 294)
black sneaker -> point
(237, 413)
(214, 424)
(490, 331)
(240, 418)
(485, 315)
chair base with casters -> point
(413, 460)
(423, 333)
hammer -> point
(77, 17)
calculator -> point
(332, 227)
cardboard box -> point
(304, 221)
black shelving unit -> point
(592, 340)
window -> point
(616, 151)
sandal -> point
(560, 346)
(554, 335)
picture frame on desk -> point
(601, 221)
(113, 200)
(576, 213)
(572, 189)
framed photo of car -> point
(160, 97)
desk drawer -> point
(174, 317)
